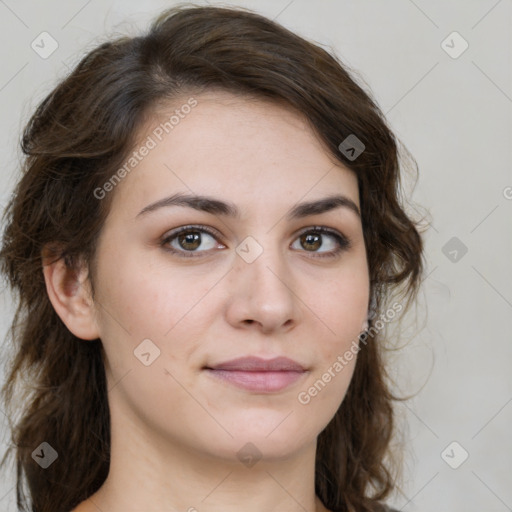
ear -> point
(69, 292)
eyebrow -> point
(217, 207)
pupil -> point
(311, 240)
(190, 240)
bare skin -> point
(176, 429)
(88, 506)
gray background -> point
(455, 116)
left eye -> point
(315, 239)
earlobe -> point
(69, 292)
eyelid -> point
(191, 227)
(320, 229)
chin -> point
(250, 449)
(273, 439)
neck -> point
(148, 472)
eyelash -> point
(343, 242)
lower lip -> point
(266, 382)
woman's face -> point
(264, 282)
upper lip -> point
(257, 364)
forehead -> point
(239, 148)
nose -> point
(261, 295)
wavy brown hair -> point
(80, 134)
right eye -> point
(187, 240)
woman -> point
(207, 225)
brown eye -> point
(322, 242)
(191, 241)
(311, 242)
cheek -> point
(149, 329)
(323, 393)
(148, 298)
(340, 309)
(142, 300)
(341, 306)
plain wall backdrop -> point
(452, 108)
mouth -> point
(258, 375)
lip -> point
(257, 364)
(256, 374)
